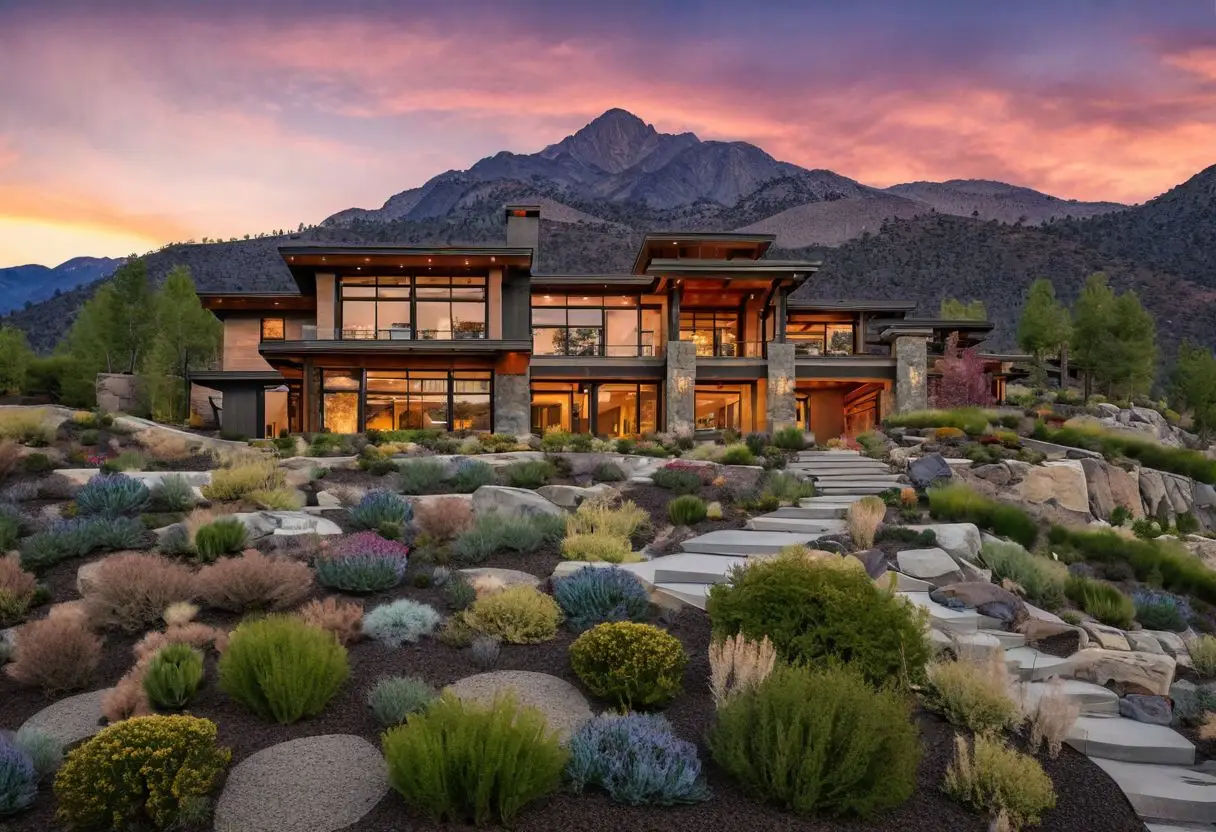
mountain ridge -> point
(32, 282)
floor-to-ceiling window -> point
(718, 408)
(340, 399)
(614, 325)
(626, 409)
(408, 307)
(810, 339)
(409, 399)
(471, 401)
(560, 405)
(715, 333)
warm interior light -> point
(491, 259)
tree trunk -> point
(1063, 365)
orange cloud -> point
(34, 205)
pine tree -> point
(1044, 328)
(1193, 385)
(1114, 339)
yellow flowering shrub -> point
(515, 615)
(143, 770)
(635, 665)
(942, 434)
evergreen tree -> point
(1193, 385)
(1044, 328)
(1114, 339)
(1091, 334)
(15, 358)
(187, 337)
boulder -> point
(1060, 485)
(962, 540)
(1109, 638)
(1152, 492)
(505, 577)
(1130, 671)
(898, 457)
(928, 469)
(1203, 503)
(86, 577)
(1107, 409)
(986, 599)
(932, 565)
(996, 474)
(1040, 624)
(1110, 487)
(568, 567)
(1143, 642)
(261, 524)
(874, 561)
(1154, 710)
(1178, 492)
(571, 496)
(1171, 643)
(514, 502)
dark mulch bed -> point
(1204, 749)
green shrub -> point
(528, 474)
(1203, 655)
(736, 455)
(601, 516)
(281, 668)
(817, 613)
(400, 622)
(901, 534)
(394, 699)
(458, 592)
(997, 780)
(495, 532)
(599, 547)
(173, 493)
(142, 770)
(173, 676)
(515, 615)
(421, 476)
(686, 510)
(472, 474)
(224, 536)
(1186, 523)
(1161, 611)
(608, 472)
(78, 537)
(790, 439)
(463, 761)
(249, 473)
(1119, 516)
(681, 482)
(1042, 578)
(819, 742)
(113, 495)
(973, 694)
(276, 499)
(637, 666)
(957, 503)
(788, 488)
(971, 421)
(1101, 600)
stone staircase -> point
(846, 473)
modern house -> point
(702, 334)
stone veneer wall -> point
(512, 404)
(911, 373)
(781, 406)
(117, 392)
(681, 386)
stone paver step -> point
(691, 594)
(743, 542)
(685, 567)
(769, 523)
(869, 465)
(822, 511)
(942, 617)
(1129, 741)
(1166, 793)
(886, 480)
(1008, 640)
(1094, 700)
(842, 454)
(858, 489)
(1030, 665)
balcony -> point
(467, 338)
(472, 331)
(731, 349)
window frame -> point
(602, 304)
(403, 289)
(282, 323)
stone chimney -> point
(523, 229)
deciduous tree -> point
(1045, 327)
(15, 358)
(962, 380)
(1193, 385)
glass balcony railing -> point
(469, 332)
(731, 349)
(601, 350)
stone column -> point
(681, 384)
(779, 398)
(911, 373)
(512, 404)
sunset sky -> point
(126, 124)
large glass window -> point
(714, 333)
(718, 409)
(406, 399)
(820, 339)
(341, 401)
(560, 406)
(404, 307)
(471, 401)
(620, 409)
(593, 325)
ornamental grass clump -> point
(173, 493)
(43, 750)
(383, 512)
(790, 439)
(131, 591)
(816, 612)
(466, 761)
(342, 618)
(864, 517)
(472, 474)
(1202, 650)
(608, 516)
(593, 596)
(496, 532)
(687, 510)
(224, 536)
(276, 499)
(1101, 600)
(637, 760)
(113, 495)
(18, 589)
(636, 666)
(532, 474)
(1053, 716)
(244, 474)
(254, 581)
(143, 771)
(819, 742)
(599, 547)
(515, 615)
(680, 480)
(361, 563)
(394, 699)
(973, 693)
(281, 668)
(400, 622)
(78, 537)
(57, 654)
(173, 675)
(738, 454)
(1041, 578)
(420, 476)
(1161, 610)
(999, 782)
(738, 664)
(957, 503)
(18, 779)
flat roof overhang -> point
(221, 302)
(731, 369)
(729, 244)
(846, 367)
(474, 346)
(819, 305)
(594, 368)
(728, 269)
(962, 325)
(584, 282)
(305, 261)
(236, 379)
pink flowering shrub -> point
(362, 562)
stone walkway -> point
(561, 703)
(72, 719)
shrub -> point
(973, 693)
(420, 476)
(383, 512)
(1203, 655)
(29, 427)
(254, 581)
(608, 472)
(737, 665)
(173, 493)
(1053, 718)
(245, 474)
(78, 537)
(958, 503)
(637, 760)
(787, 488)
(444, 518)
(815, 613)
(342, 618)
(219, 537)
(459, 760)
(43, 750)
(132, 591)
(493, 532)
(686, 510)
(57, 653)
(602, 516)
(634, 665)
(598, 547)
(173, 676)
(593, 595)
(18, 779)
(472, 474)
(485, 650)
(999, 781)
(10, 526)
(516, 615)
(148, 769)
(1101, 600)
(281, 668)
(458, 592)
(37, 463)
(790, 439)
(1041, 578)
(972, 421)
(1161, 610)
(362, 562)
(395, 698)
(112, 494)
(819, 742)
(864, 517)
(18, 589)
(681, 481)
(276, 499)
(528, 474)
(400, 622)
(736, 455)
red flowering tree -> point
(962, 381)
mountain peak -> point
(613, 142)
